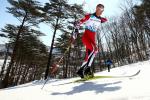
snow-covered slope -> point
(135, 88)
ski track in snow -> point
(134, 88)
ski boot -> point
(89, 73)
(81, 72)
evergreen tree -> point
(57, 12)
(26, 11)
(30, 56)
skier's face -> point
(99, 10)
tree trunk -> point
(6, 78)
(5, 61)
(50, 53)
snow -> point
(2, 61)
(134, 88)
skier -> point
(109, 63)
(92, 23)
(54, 70)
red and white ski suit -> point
(92, 24)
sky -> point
(112, 8)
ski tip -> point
(136, 73)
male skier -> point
(92, 23)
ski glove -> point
(75, 33)
(74, 36)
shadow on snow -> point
(90, 86)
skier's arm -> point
(87, 16)
(78, 24)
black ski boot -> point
(88, 72)
(81, 73)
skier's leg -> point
(89, 69)
(91, 46)
(82, 69)
(108, 68)
(90, 54)
(86, 39)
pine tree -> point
(63, 42)
(26, 11)
(30, 56)
(57, 12)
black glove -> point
(76, 30)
